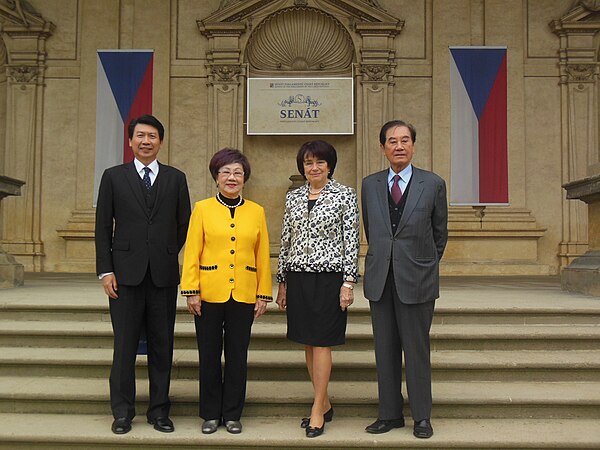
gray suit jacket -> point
(418, 244)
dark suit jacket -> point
(139, 238)
(419, 241)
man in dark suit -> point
(405, 217)
(141, 223)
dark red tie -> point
(396, 192)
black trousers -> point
(154, 308)
(223, 326)
(402, 328)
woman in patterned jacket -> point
(318, 267)
(227, 282)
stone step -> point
(294, 398)
(515, 365)
(282, 365)
(476, 313)
(359, 336)
(57, 432)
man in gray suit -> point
(405, 216)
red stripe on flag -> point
(493, 143)
(141, 105)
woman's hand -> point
(194, 305)
(260, 308)
(346, 297)
(281, 297)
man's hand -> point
(194, 305)
(260, 308)
(281, 297)
(109, 283)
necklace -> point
(222, 202)
(316, 192)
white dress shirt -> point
(405, 176)
(153, 166)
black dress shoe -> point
(233, 426)
(313, 432)
(383, 426)
(162, 424)
(210, 426)
(121, 425)
(423, 429)
(328, 418)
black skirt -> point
(314, 316)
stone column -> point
(226, 78)
(374, 93)
(24, 33)
(578, 32)
(579, 119)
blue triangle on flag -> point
(125, 72)
(478, 68)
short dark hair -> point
(318, 149)
(227, 156)
(147, 119)
(397, 123)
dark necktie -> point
(146, 178)
(396, 192)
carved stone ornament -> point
(3, 53)
(226, 72)
(590, 5)
(23, 74)
(375, 72)
(226, 3)
(20, 10)
(300, 39)
(580, 72)
(373, 3)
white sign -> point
(300, 106)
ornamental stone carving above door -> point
(300, 39)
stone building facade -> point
(397, 53)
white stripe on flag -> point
(464, 186)
(109, 129)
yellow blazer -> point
(225, 256)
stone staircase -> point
(516, 364)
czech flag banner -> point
(479, 161)
(124, 92)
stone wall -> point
(203, 110)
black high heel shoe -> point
(328, 418)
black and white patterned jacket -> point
(324, 240)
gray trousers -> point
(402, 328)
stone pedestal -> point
(12, 273)
(583, 274)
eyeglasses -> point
(227, 173)
(318, 163)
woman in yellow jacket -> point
(227, 281)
